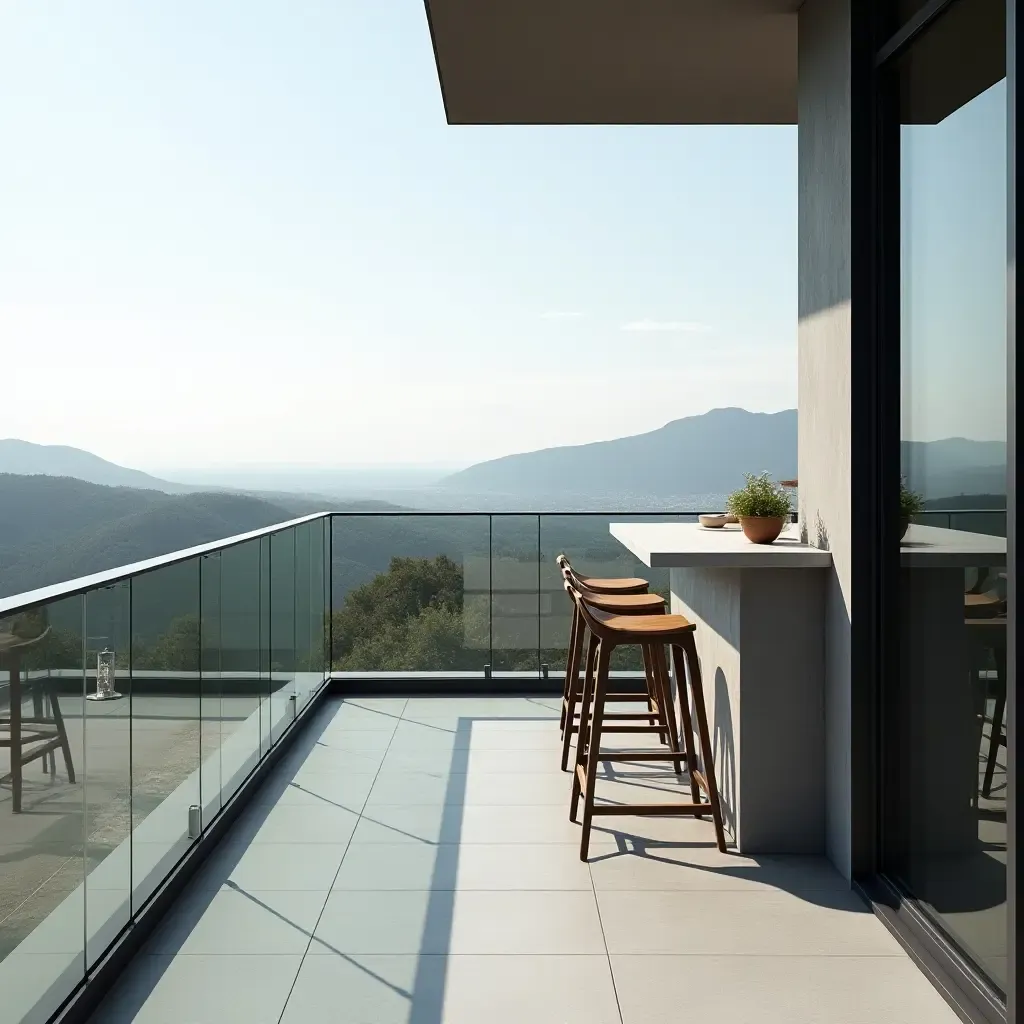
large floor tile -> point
(456, 823)
(326, 759)
(340, 988)
(353, 715)
(234, 921)
(411, 823)
(630, 830)
(540, 989)
(537, 735)
(281, 866)
(453, 990)
(702, 867)
(421, 788)
(398, 866)
(747, 923)
(485, 708)
(291, 823)
(384, 922)
(548, 823)
(526, 922)
(459, 922)
(348, 790)
(480, 866)
(776, 990)
(202, 990)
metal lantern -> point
(105, 676)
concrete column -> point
(824, 174)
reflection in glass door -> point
(944, 778)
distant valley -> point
(65, 513)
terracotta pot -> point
(762, 529)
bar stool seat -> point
(638, 628)
(625, 585)
(605, 585)
(628, 604)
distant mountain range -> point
(705, 454)
(709, 454)
(28, 459)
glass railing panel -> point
(242, 685)
(318, 598)
(107, 765)
(411, 593)
(210, 685)
(593, 551)
(42, 928)
(266, 681)
(165, 721)
(282, 631)
(305, 679)
(515, 594)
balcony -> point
(328, 834)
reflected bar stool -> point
(656, 632)
(659, 716)
(36, 736)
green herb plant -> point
(761, 497)
(911, 503)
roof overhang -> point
(616, 61)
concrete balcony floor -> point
(412, 862)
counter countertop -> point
(689, 545)
(932, 547)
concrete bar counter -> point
(760, 635)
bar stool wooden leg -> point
(586, 717)
(588, 676)
(666, 702)
(652, 690)
(571, 665)
(687, 731)
(594, 745)
(684, 656)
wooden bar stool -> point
(630, 585)
(659, 716)
(655, 632)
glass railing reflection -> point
(130, 713)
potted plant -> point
(762, 507)
(911, 504)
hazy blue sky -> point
(954, 272)
(242, 232)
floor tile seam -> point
(347, 845)
(604, 939)
(899, 955)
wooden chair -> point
(988, 636)
(654, 632)
(660, 714)
(38, 735)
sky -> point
(242, 233)
(953, 240)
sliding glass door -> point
(944, 736)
